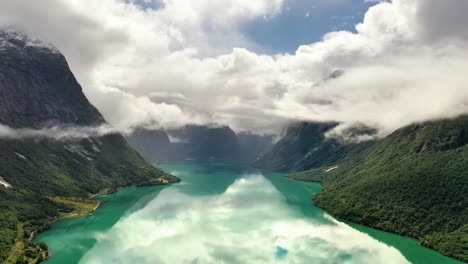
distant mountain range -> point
(199, 144)
(38, 90)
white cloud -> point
(57, 133)
(176, 65)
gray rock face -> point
(37, 90)
(305, 146)
(256, 145)
(204, 143)
(302, 141)
(37, 87)
(153, 144)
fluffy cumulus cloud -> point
(188, 62)
(189, 228)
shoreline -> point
(114, 190)
(367, 226)
(45, 253)
(145, 184)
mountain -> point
(37, 87)
(255, 145)
(204, 143)
(306, 146)
(153, 144)
(191, 143)
(38, 90)
(414, 183)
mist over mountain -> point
(199, 143)
(375, 110)
(153, 144)
(307, 145)
(204, 70)
(256, 145)
(203, 143)
(413, 182)
(38, 90)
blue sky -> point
(300, 22)
(305, 22)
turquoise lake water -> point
(223, 213)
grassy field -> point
(79, 206)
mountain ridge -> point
(306, 145)
(198, 143)
(413, 182)
(38, 90)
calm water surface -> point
(223, 214)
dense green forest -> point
(39, 169)
(414, 183)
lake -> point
(223, 213)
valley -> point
(222, 203)
(164, 133)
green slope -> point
(37, 89)
(41, 169)
(414, 183)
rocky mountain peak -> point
(12, 38)
(37, 87)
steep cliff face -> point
(38, 90)
(190, 143)
(203, 143)
(197, 143)
(305, 146)
(255, 145)
(153, 144)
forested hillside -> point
(38, 90)
(414, 183)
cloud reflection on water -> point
(245, 224)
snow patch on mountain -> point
(10, 37)
(5, 183)
(21, 156)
